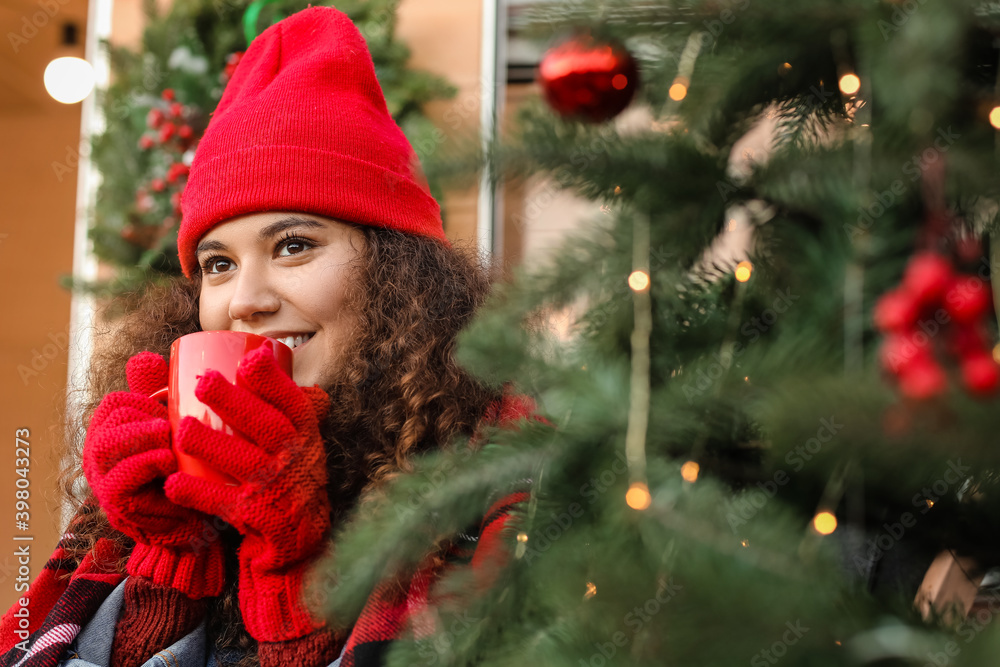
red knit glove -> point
(281, 504)
(126, 456)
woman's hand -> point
(281, 504)
(126, 457)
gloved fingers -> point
(226, 453)
(146, 373)
(320, 401)
(262, 375)
(122, 406)
(221, 500)
(105, 449)
(126, 480)
(242, 410)
(126, 412)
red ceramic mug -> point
(190, 357)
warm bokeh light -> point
(825, 523)
(745, 543)
(69, 80)
(690, 470)
(638, 280)
(743, 271)
(522, 537)
(591, 591)
(786, 66)
(618, 189)
(638, 497)
(678, 91)
(850, 84)
(995, 117)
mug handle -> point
(160, 395)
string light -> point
(850, 84)
(995, 117)
(930, 503)
(785, 67)
(824, 523)
(743, 271)
(69, 80)
(745, 543)
(591, 591)
(638, 497)
(690, 470)
(678, 90)
(618, 189)
(638, 280)
(522, 537)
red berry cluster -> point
(937, 310)
(172, 133)
(232, 60)
(168, 121)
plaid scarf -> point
(60, 601)
(64, 597)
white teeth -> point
(295, 341)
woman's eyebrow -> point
(276, 228)
(205, 246)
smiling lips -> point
(294, 341)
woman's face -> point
(282, 274)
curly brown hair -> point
(400, 391)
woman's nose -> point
(253, 295)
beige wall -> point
(444, 37)
(38, 175)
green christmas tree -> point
(159, 103)
(745, 464)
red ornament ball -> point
(980, 374)
(897, 310)
(923, 379)
(927, 276)
(168, 94)
(967, 299)
(145, 142)
(900, 352)
(185, 132)
(588, 79)
(176, 109)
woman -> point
(305, 218)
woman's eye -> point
(212, 265)
(294, 247)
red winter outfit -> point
(301, 127)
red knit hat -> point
(303, 126)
